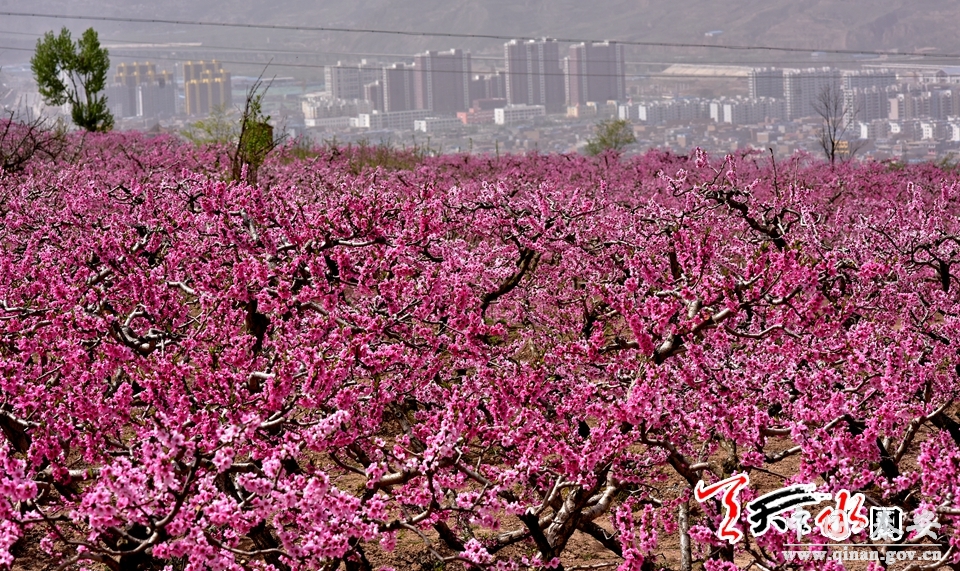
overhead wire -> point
(197, 46)
(467, 35)
(655, 75)
(445, 34)
(201, 48)
(658, 75)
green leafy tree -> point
(612, 134)
(74, 73)
(219, 128)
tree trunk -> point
(683, 519)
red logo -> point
(731, 503)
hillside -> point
(817, 24)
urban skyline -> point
(442, 92)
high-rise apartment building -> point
(867, 78)
(595, 72)
(942, 104)
(373, 93)
(493, 86)
(139, 90)
(534, 75)
(397, 86)
(869, 104)
(765, 82)
(346, 81)
(442, 81)
(206, 86)
(802, 87)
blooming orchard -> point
(483, 357)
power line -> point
(409, 70)
(203, 47)
(656, 75)
(288, 51)
(460, 35)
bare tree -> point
(838, 116)
(23, 139)
(255, 138)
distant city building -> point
(489, 103)
(493, 86)
(865, 79)
(394, 121)
(331, 123)
(672, 111)
(607, 109)
(943, 104)
(765, 82)
(139, 90)
(747, 111)
(927, 101)
(953, 131)
(346, 81)
(436, 124)
(871, 103)
(512, 114)
(869, 129)
(398, 91)
(477, 116)
(482, 112)
(442, 81)
(594, 72)
(534, 75)
(373, 93)
(902, 116)
(206, 86)
(901, 107)
(802, 87)
(629, 112)
(582, 110)
(318, 107)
